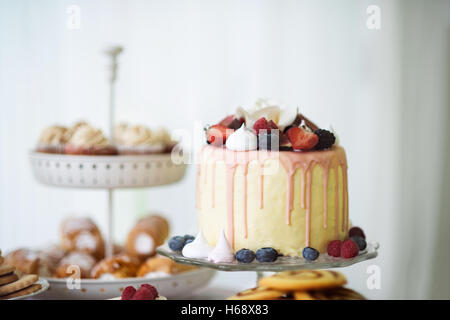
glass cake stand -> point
(283, 263)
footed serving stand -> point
(283, 263)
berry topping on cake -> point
(227, 121)
(177, 243)
(326, 139)
(310, 254)
(362, 244)
(245, 256)
(218, 134)
(263, 124)
(266, 255)
(302, 139)
(334, 248)
(356, 231)
(152, 289)
(128, 293)
(349, 249)
(268, 141)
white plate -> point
(78, 171)
(44, 284)
(172, 287)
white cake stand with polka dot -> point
(106, 172)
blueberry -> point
(177, 243)
(360, 242)
(245, 256)
(310, 254)
(266, 255)
(188, 241)
(188, 237)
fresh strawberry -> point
(227, 121)
(263, 124)
(272, 125)
(218, 134)
(302, 139)
(128, 293)
(236, 124)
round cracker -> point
(330, 294)
(33, 288)
(8, 278)
(303, 280)
(23, 282)
(6, 270)
(258, 293)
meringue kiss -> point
(242, 139)
(198, 249)
(222, 252)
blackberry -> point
(326, 139)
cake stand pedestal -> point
(283, 263)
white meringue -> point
(197, 249)
(222, 252)
(287, 117)
(242, 139)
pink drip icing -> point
(197, 199)
(245, 200)
(308, 210)
(291, 161)
(213, 185)
(326, 171)
(336, 204)
(231, 169)
(261, 185)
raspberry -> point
(260, 124)
(349, 249)
(151, 288)
(302, 139)
(356, 232)
(334, 248)
(326, 139)
(128, 293)
(143, 294)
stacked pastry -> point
(301, 285)
(84, 139)
(81, 253)
(12, 284)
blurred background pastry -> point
(84, 262)
(82, 234)
(116, 267)
(87, 140)
(148, 233)
(137, 139)
(161, 266)
(28, 261)
(52, 140)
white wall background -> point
(384, 91)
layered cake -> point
(269, 177)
